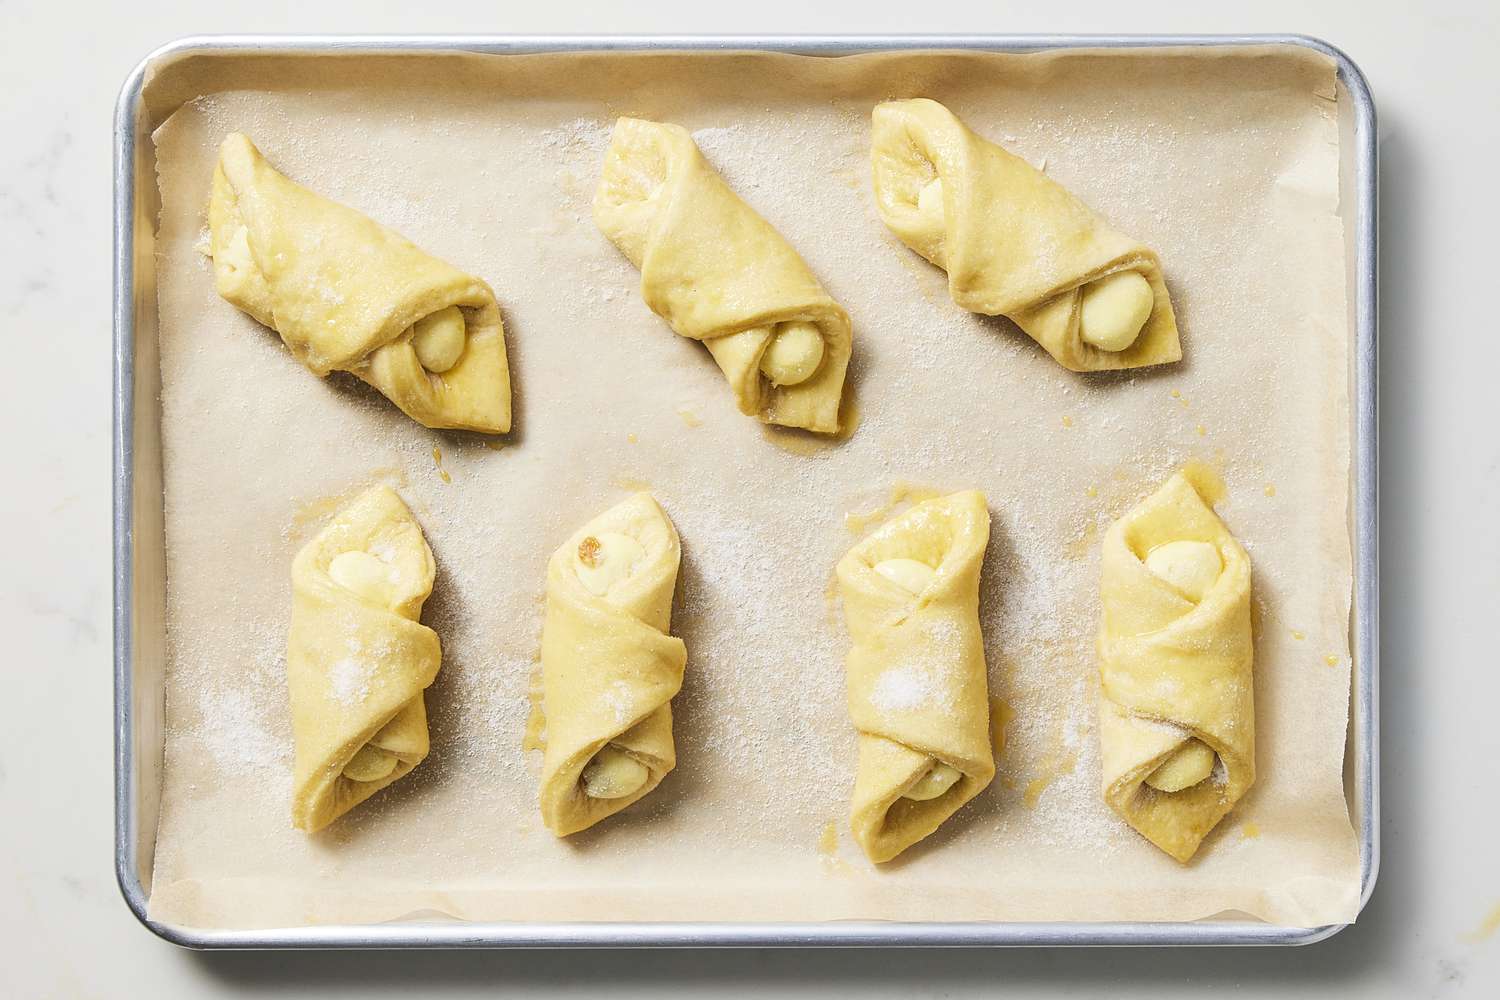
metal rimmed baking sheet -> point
(139, 604)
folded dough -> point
(1015, 243)
(347, 294)
(717, 272)
(1176, 715)
(609, 668)
(358, 659)
(917, 688)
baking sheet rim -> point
(1364, 714)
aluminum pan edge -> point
(1365, 715)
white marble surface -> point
(65, 932)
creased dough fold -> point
(345, 293)
(1014, 242)
(717, 272)
(917, 687)
(1172, 670)
(358, 660)
(609, 667)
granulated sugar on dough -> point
(491, 164)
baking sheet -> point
(1226, 163)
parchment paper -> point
(1226, 164)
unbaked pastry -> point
(357, 658)
(918, 693)
(718, 273)
(1176, 714)
(347, 294)
(609, 667)
(1016, 243)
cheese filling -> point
(794, 354)
(1190, 567)
(930, 198)
(440, 339)
(606, 559)
(939, 778)
(1189, 764)
(908, 574)
(613, 774)
(1114, 309)
(236, 253)
(361, 573)
(371, 763)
